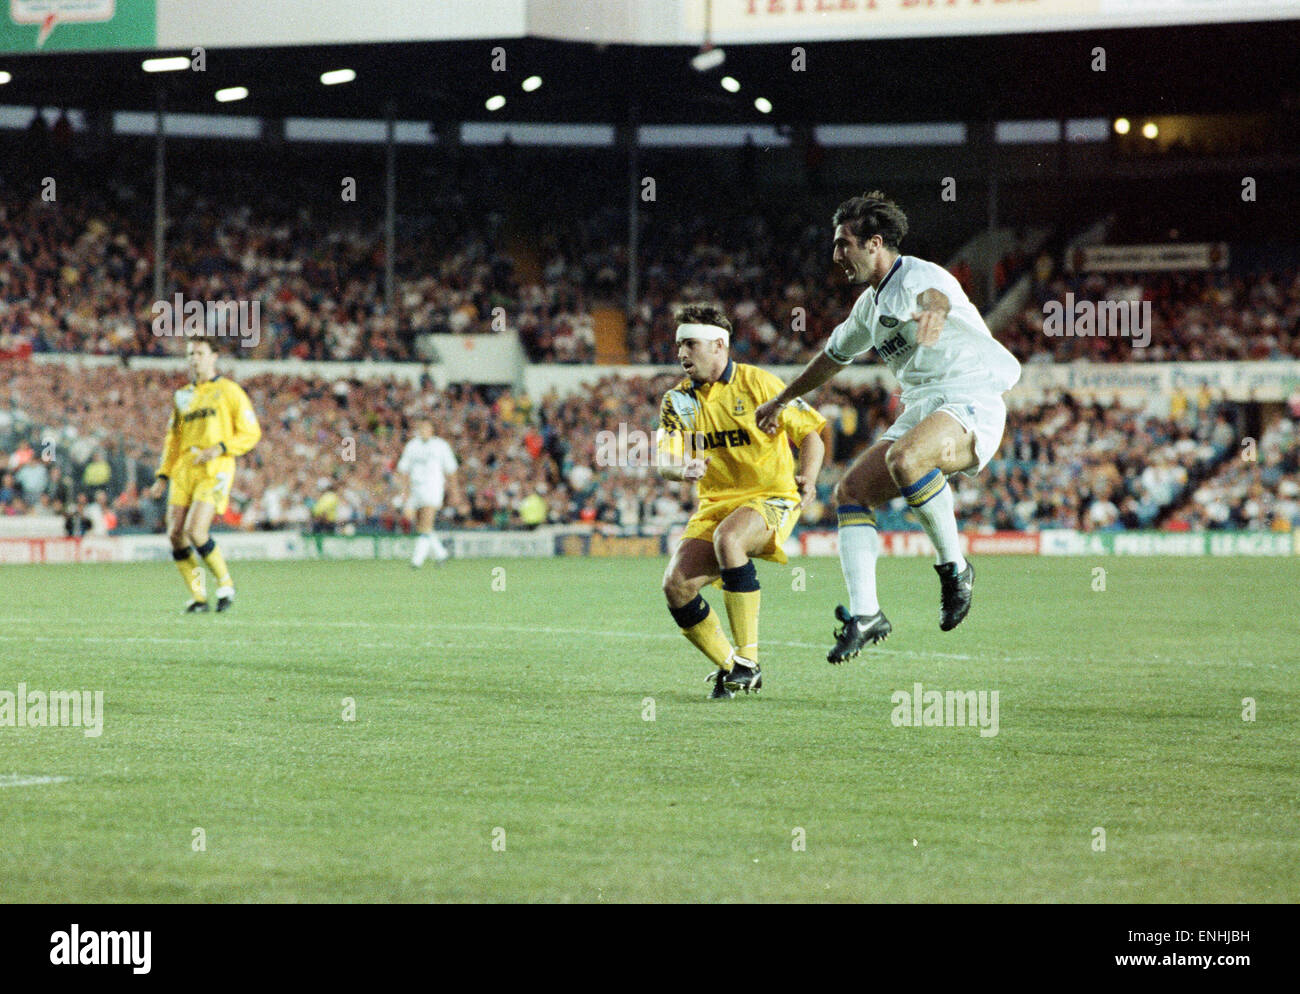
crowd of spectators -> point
(77, 267)
(480, 248)
(1193, 316)
(78, 277)
(1257, 489)
(1095, 468)
(82, 442)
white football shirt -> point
(428, 463)
(966, 358)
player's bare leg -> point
(198, 528)
(920, 463)
(693, 566)
(187, 562)
(744, 533)
(866, 485)
(426, 541)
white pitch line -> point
(422, 626)
(238, 643)
(532, 630)
(20, 780)
(595, 633)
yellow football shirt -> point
(716, 421)
(217, 412)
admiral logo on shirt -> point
(895, 346)
(888, 322)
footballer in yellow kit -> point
(750, 490)
(212, 422)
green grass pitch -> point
(501, 749)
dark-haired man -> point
(750, 490)
(211, 422)
(917, 318)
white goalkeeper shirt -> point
(967, 358)
(428, 464)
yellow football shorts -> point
(780, 513)
(209, 482)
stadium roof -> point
(1197, 69)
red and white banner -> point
(826, 542)
(820, 20)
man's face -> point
(702, 358)
(425, 430)
(855, 257)
(202, 360)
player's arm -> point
(932, 311)
(171, 448)
(817, 372)
(812, 452)
(449, 469)
(403, 473)
(246, 431)
(850, 339)
(673, 463)
(804, 424)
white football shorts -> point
(985, 414)
(425, 497)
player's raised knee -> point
(729, 546)
(842, 495)
(905, 463)
(677, 588)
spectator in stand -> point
(97, 472)
(76, 520)
(32, 478)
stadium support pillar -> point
(633, 213)
(159, 202)
(390, 208)
(991, 286)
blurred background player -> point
(953, 373)
(428, 462)
(749, 490)
(212, 422)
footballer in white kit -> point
(428, 461)
(953, 373)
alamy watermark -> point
(102, 948)
(56, 709)
(631, 447)
(181, 318)
(1098, 319)
(946, 709)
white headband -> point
(705, 331)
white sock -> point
(439, 550)
(859, 550)
(930, 498)
(421, 551)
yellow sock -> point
(742, 611)
(217, 563)
(192, 573)
(707, 636)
